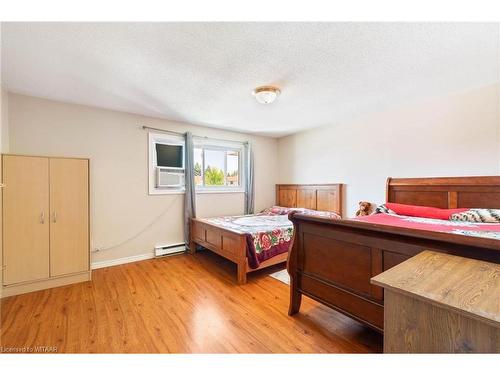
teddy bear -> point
(365, 208)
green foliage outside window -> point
(197, 169)
(213, 176)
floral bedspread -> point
(268, 233)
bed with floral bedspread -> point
(268, 233)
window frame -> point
(214, 145)
(198, 142)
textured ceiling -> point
(203, 73)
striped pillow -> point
(478, 215)
(382, 209)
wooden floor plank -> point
(178, 304)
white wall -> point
(457, 135)
(4, 122)
(121, 208)
(498, 120)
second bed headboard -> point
(446, 192)
(321, 197)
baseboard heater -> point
(169, 249)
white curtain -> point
(249, 180)
(190, 194)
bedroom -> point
(132, 153)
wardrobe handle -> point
(54, 217)
(42, 218)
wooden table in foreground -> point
(440, 303)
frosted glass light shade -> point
(266, 94)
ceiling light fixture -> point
(266, 94)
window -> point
(217, 166)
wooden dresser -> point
(440, 303)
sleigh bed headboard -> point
(321, 197)
(445, 192)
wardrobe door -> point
(69, 216)
(25, 218)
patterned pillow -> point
(478, 215)
(277, 210)
(326, 214)
(382, 209)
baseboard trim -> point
(117, 262)
(33, 286)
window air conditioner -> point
(168, 178)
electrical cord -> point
(140, 232)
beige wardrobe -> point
(45, 222)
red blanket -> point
(485, 230)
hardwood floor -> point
(178, 304)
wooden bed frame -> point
(333, 261)
(232, 245)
